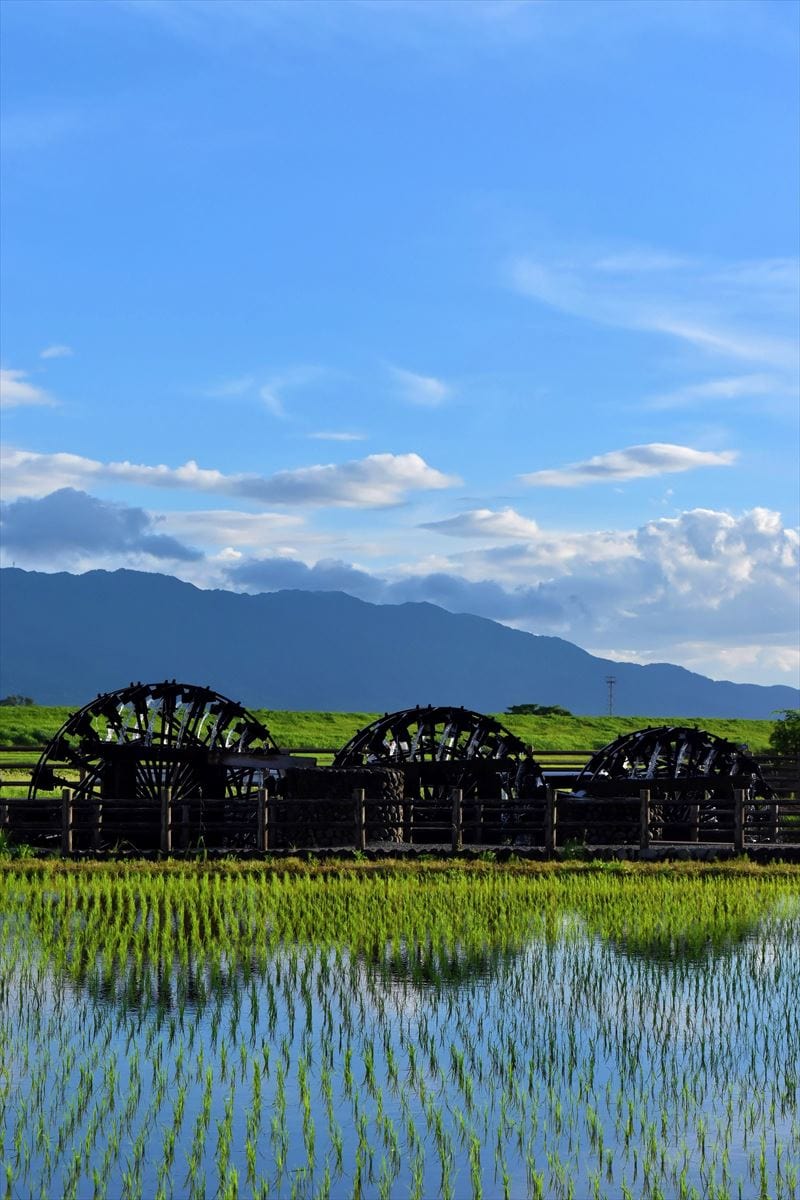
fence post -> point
(694, 819)
(550, 820)
(360, 814)
(774, 819)
(408, 821)
(97, 822)
(457, 834)
(66, 820)
(738, 818)
(262, 833)
(166, 820)
(644, 818)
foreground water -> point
(593, 1033)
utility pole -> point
(611, 680)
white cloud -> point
(231, 528)
(372, 482)
(57, 351)
(710, 590)
(17, 392)
(634, 462)
(485, 523)
(537, 554)
(746, 661)
(424, 390)
(376, 480)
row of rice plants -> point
(192, 1033)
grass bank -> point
(33, 726)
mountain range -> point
(64, 638)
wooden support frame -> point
(408, 821)
(263, 824)
(739, 797)
(644, 818)
(67, 817)
(551, 821)
(97, 824)
(166, 820)
(360, 818)
(457, 833)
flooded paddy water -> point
(397, 1033)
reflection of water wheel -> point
(131, 744)
(661, 757)
(439, 749)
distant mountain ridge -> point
(64, 638)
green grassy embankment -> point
(33, 726)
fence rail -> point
(267, 821)
(781, 771)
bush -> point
(16, 702)
(538, 710)
(785, 736)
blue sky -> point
(488, 304)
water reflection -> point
(555, 1051)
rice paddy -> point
(375, 1030)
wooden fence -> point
(627, 814)
(633, 816)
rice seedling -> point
(339, 1032)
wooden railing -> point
(267, 821)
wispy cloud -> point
(272, 400)
(57, 351)
(640, 261)
(230, 388)
(634, 462)
(735, 387)
(424, 390)
(272, 392)
(728, 343)
(16, 391)
(742, 311)
(377, 481)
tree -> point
(538, 710)
(16, 701)
(785, 736)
